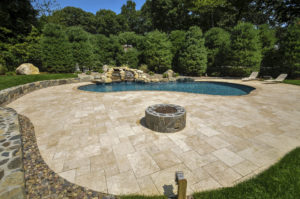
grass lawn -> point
(281, 181)
(292, 81)
(10, 81)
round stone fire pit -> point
(166, 118)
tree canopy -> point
(193, 37)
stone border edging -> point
(12, 184)
(10, 94)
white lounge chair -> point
(280, 78)
(253, 76)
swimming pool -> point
(211, 88)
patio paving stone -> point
(96, 140)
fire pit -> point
(165, 118)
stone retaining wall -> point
(10, 94)
(11, 165)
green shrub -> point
(165, 75)
(56, 50)
(217, 42)
(176, 74)
(245, 51)
(11, 73)
(271, 60)
(236, 71)
(193, 55)
(177, 38)
(129, 57)
(88, 72)
(157, 53)
(129, 38)
(215, 74)
(144, 68)
(81, 47)
(290, 50)
(267, 36)
(100, 70)
(2, 69)
(151, 73)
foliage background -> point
(238, 36)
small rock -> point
(154, 80)
(15, 137)
(15, 163)
(105, 68)
(5, 154)
(15, 152)
(6, 144)
(3, 161)
(1, 173)
(108, 80)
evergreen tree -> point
(17, 16)
(71, 16)
(129, 57)
(130, 14)
(267, 37)
(157, 53)
(130, 42)
(108, 22)
(99, 44)
(245, 50)
(193, 55)
(81, 47)
(56, 50)
(129, 38)
(269, 52)
(217, 42)
(290, 49)
(177, 38)
(32, 48)
(113, 51)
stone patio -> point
(95, 139)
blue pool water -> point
(211, 88)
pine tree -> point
(81, 47)
(245, 50)
(217, 42)
(193, 55)
(157, 53)
(177, 38)
(56, 50)
(290, 48)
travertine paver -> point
(96, 140)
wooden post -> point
(182, 185)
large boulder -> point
(105, 68)
(169, 73)
(27, 69)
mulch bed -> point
(40, 180)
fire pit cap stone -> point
(176, 110)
